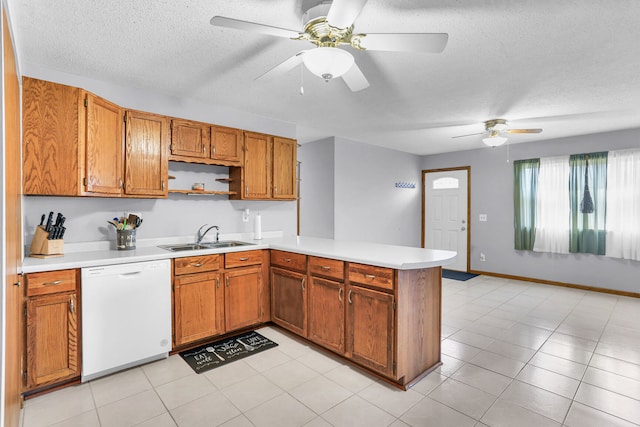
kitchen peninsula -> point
(377, 306)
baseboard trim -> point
(562, 284)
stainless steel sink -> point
(199, 246)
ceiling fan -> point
(495, 128)
(329, 25)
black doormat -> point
(209, 356)
(457, 275)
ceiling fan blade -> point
(343, 13)
(355, 79)
(523, 130)
(409, 42)
(283, 67)
(470, 134)
(236, 24)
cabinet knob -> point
(302, 283)
(196, 264)
(340, 294)
(227, 281)
(57, 282)
(349, 297)
(217, 283)
(370, 276)
(72, 305)
(325, 268)
(244, 259)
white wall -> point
(179, 214)
(367, 205)
(317, 188)
(492, 194)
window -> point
(584, 203)
(446, 183)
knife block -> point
(41, 247)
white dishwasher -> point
(126, 316)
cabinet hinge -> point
(24, 375)
(85, 181)
(124, 118)
(86, 102)
(394, 366)
(25, 310)
(394, 305)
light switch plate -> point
(483, 218)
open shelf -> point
(203, 193)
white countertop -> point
(398, 257)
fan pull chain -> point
(301, 80)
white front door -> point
(446, 214)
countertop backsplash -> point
(178, 215)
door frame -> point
(424, 201)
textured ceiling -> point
(570, 67)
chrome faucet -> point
(201, 234)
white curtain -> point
(552, 207)
(623, 204)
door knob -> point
(462, 228)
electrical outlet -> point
(245, 215)
(483, 217)
(482, 257)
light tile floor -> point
(514, 354)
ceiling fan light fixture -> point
(494, 141)
(328, 62)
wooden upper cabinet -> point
(189, 140)
(226, 145)
(284, 168)
(51, 149)
(269, 170)
(146, 155)
(257, 166)
(104, 167)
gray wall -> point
(367, 205)
(492, 194)
(178, 214)
(317, 188)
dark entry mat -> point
(209, 356)
(457, 275)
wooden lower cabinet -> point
(52, 339)
(243, 297)
(289, 300)
(370, 328)
(52, 323)
(326, 313)
(198, 307)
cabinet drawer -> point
(289, 260)
(196, 264)
(240, 259)
(50, 282)
(326, 267)
(380, 277)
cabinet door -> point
(103, 149)
(289, 300)
(284, 168)
(370, 331)
(242, 297)
(198, 307)
(326, 313)
(190, 139)
(146, 161)
(226, 144)
(257, 166)
(50, 138)
(52, 339)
